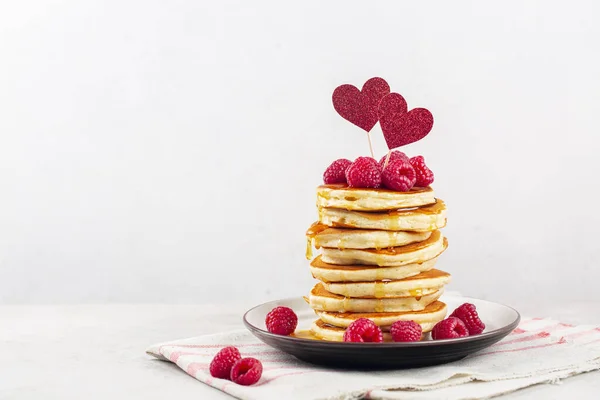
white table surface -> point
(97, 351)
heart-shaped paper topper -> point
(360, 106)
(400, 127)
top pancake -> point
(359, 199)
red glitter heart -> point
(399, 126)
(360, 106)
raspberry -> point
(363, 330)
(281, 321)
(220, 366)
(424, 174)
(468, 314)
(450, 328)
(406, 331)
(364, 173)
(395, 155)
(336, 172)
(398, 175)
(246, 371)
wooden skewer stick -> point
(387, 158)
(370, 144)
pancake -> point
(325, 236)
(322, 331)
(422, 284)
(322, 300)
(361, 273)
(427, 318)
(391, 257)
(422, 219)
(358, 199)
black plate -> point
(500, 320)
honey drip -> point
(309, 249)
(346, 305)
(379, 306)
(324, 194)
(379, 289)
(379, 244)
(416, 293)
(315, 229)
(311, 233)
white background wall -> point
(168, 151)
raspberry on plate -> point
(246, 371)
(424, 174)
(398, 175)
(394, 155)
(281, 321)
(467, 313)
(450, 328)
(406, 331)
(363, 330)
(364, 173)
(220, 366)
(336, 172)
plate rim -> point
(422, 343)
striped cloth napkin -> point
(538, 351)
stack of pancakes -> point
(378, 252)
